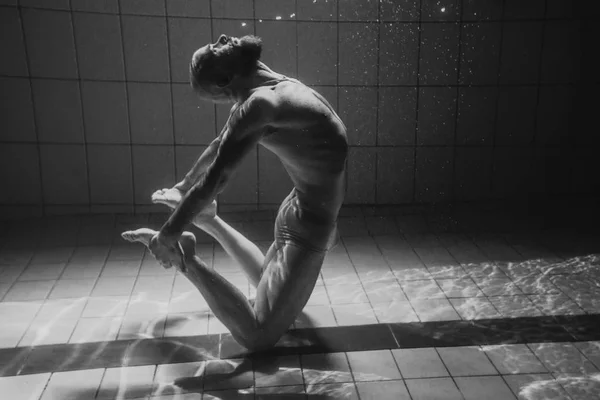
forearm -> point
(196, 199)
(199, 168)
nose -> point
(223, 39)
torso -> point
(310, 140)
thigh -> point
(288, 280)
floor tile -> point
(48, 332)
(515, 306)
(135, 326)
(396, 311)
(464, 287)
(187, 324)
(72, 288)
(316, 316)
(475, 308)
(187, 302)
(325, 368)
(332, 391)
(278, 371)
(73, 385)
(484, 387)
(53, 309)
(346, 294)
(373, 365)
(385, 291)
(319, 296)
(11, 334)
(166, 376)
(280, 392)
(514, 359)
(113, 286)
(591, 350)
(434, 310)
(536, 387)
(562, 357)
(24, 386)
(42, 272)
(109, 306)
(579, 387)
(383, 390)
(121, 268)
(96, 329)
(419, 363)
(29, 291)
(422, 289)
(228, 374)
(433, 389)
(354, 314)
(127, 382)
(466, 361)
(558, 304)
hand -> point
(167, 251)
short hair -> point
(217, 68)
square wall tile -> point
(439, 54)
(105, 112)
(12, 43)
(436, 10)
(146, 52)
(143, 7)
(361, 10)
(562, 52)
(532, 9)
(358, 54)
(398, 54)
(50, 44)
(317, 10)
(476, 115)
(58, 110)
(272, 9)
(481, 10)
(361, 176)
(358, 110)
(185, 158)
(550, 174)
(49, 4)
(188, 8)
(516, 115)
(555, 114)
(279, 45)
(521, 52)
(20, 174)
(231, 27)
(110, 174)
(150, 113)
(104, 6)
(404, 10)
(395, 175)
(437, 115)
(397, 116)
(17, 123)
(99, 46)
(317, 53)
(512, 171)
(194, 118)
(64, 174)
(232, 9)
(186, 35)
(153, 169)
(274, 183)
(243, 185)
(434, 174)
(473, 173)
(480, 53)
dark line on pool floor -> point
(69, 357)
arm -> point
(241, 134)
(205, 159)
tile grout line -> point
(127, 109)
(457, 99)
(170, 74)
(35, 118)
(418, 96)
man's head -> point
(215, 66)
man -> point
(302, 129)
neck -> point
(256, 79)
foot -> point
(142, 235)
(172, 197)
